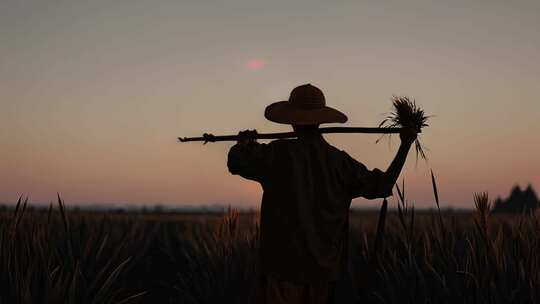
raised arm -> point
(407, 136)
(248, 158)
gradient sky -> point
(94, 93)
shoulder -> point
(346, 160)
(282, 143)
(336, 152)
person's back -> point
(304, 212)
(308, 187)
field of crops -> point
(59, 256)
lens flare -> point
(255, 64)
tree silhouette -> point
(519, 201)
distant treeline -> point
(520, 201)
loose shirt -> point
(308, 186)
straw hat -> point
(306, 106)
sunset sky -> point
(94, 93)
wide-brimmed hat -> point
(306, 106)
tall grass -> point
(51, 261)
(61, 256)
(475, 259)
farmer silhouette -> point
(308, 187)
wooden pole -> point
(213, 138)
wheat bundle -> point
(407, 114)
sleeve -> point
(250, 161)
(363, 182)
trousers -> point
(273, 291)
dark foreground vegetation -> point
(54, 256)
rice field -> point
(59, 256)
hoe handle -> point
(213, 138)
